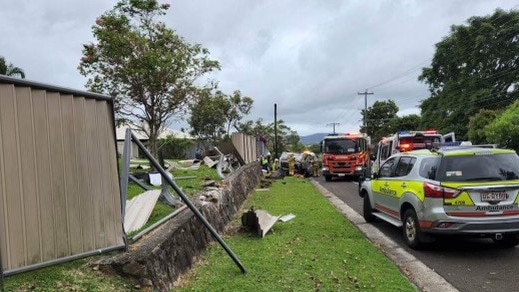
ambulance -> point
(406, 141)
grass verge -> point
(318, 250)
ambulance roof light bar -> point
(412, 133)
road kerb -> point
(426, 279)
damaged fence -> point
(169, 180)
(59, 192)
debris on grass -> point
(259, 221)
(287, 217)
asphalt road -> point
(468, 264)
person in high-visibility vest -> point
(265, 163)
(291, 164)
(275, 164)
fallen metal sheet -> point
(259, 220)
(139, 209)
(266, 221)
(174, 165)
(209, 162)
(287, 217)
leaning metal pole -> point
(125, 172)
(170, 181)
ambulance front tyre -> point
(328, 177)
(411, 230)
(366, 208)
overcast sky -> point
(311, 58)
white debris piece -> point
(287, 217)
(139, 209)
(259, 220)
(209, 162)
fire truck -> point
(345, 155)
(407, 141)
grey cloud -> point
(309, 57)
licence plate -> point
(341, 174)
(493, 196)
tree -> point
(215, 112)
(177, 148)
(409, 122)
(207, 119)
(473, 68)
(10, 69)
(239, 107)
(147, 68)
(378, 118)
(293, 142)
(504, 130)
(477, 124)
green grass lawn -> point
(318, 250)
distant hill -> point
(312, 139)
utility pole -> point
(364, 120)
(333, 124)
(276, 131)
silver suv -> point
(450, 191)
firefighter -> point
(315, 167)
(291, 164)
(307, 163)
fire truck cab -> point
(406, 141)
(345, 155)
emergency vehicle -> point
(345, 155)
(450, 190)
(406, 141)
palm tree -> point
(10, 69)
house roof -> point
(120, 132)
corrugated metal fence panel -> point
(246, 146)
(59, 191)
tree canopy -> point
(147, 68)
(475, 67)
(477, 124)
(378, 118)
(504, 129)
(9, 69)
(215, 112)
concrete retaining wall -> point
(158, 259)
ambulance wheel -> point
(411, 229)
(367, 210)
(328, 177)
